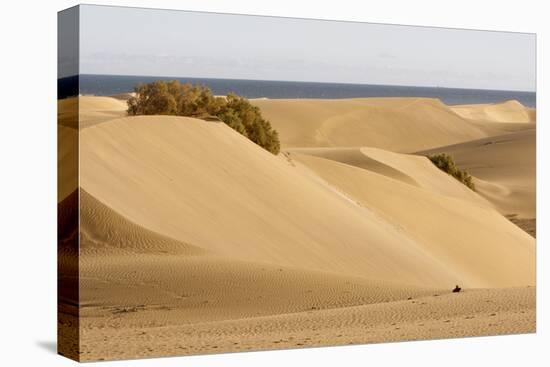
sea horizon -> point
(106, 85)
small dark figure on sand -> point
(457, 289)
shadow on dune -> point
(68, 332)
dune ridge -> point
(507, 112)
(402, 125)
(95, 110)
(408, 168)
(504, 169)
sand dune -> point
(185, 159)
(94, 110)
(476, 242)
(195, 240)
(180, 302)
(67, 161)
(396, 124)
(68, 250)
(103, 232)
(134, 279)
(67, 111)
(504, 170)
(67, 147)
(123, 96)
(178, 169)
(204, 286)
(509, 111)
(73, 114)
(89, 109)
(411, 169)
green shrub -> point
(153, 99)
(174, 98)
(446, 163)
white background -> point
(28, 182)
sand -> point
(195, 240)
(67, 147)
(94, 110)
(274, 213)
(509, 111)
(435, 221)
(408, 168)
(503, 168)
(477, 312)
(403, 125)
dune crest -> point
(95, 110)
(397, 124)
(411, 169)
(503, 168)
(506, 112)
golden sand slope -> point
(126, 265)
(67, 147)
(73, 114)
(474, 241)
(135, 279)
(174, 176)
(103, 232)
(67, 112)
(94, 110)
(504, 168)
(396, 124)
(67, 161)
(411, 169)
(89, 109)
(509, 111)
(176, 299)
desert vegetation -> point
(446, 163)
(174, 98)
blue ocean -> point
(105, 85)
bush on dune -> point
(446, 163)
(174, 98)
(152, 99)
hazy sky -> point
(131, 41)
